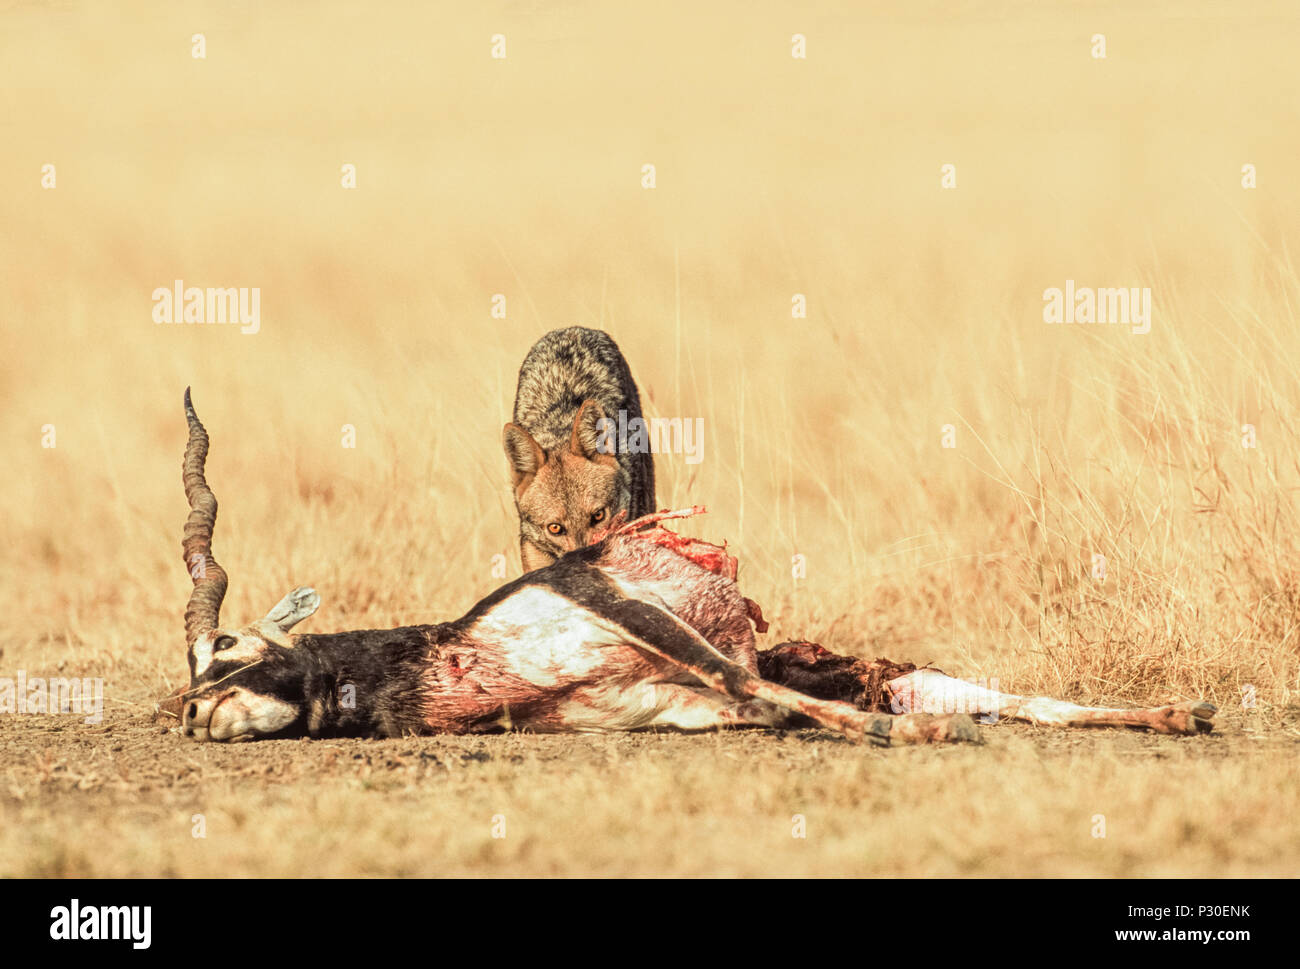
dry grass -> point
(775, 177)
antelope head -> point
(248, 682)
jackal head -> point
(568, 496)
(247, 682)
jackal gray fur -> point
(568, 482)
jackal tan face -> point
(568, 496)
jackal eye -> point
(598, 517)
(223, 642)
(555, 528)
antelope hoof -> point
(1188, 718)
(873, 729)
(927, 728)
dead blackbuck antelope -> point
(643, 628)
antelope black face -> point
(253, 682)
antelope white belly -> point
(547, 639)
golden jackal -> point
(570, 477)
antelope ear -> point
(524, 455)
(592, 436)
(293, 608)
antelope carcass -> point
(642, 629)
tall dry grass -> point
(775, 177)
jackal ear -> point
(523, 454)
(592, 436)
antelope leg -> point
(662, 634)
(687, 707)
(932, 692)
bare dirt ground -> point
(125, 798)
